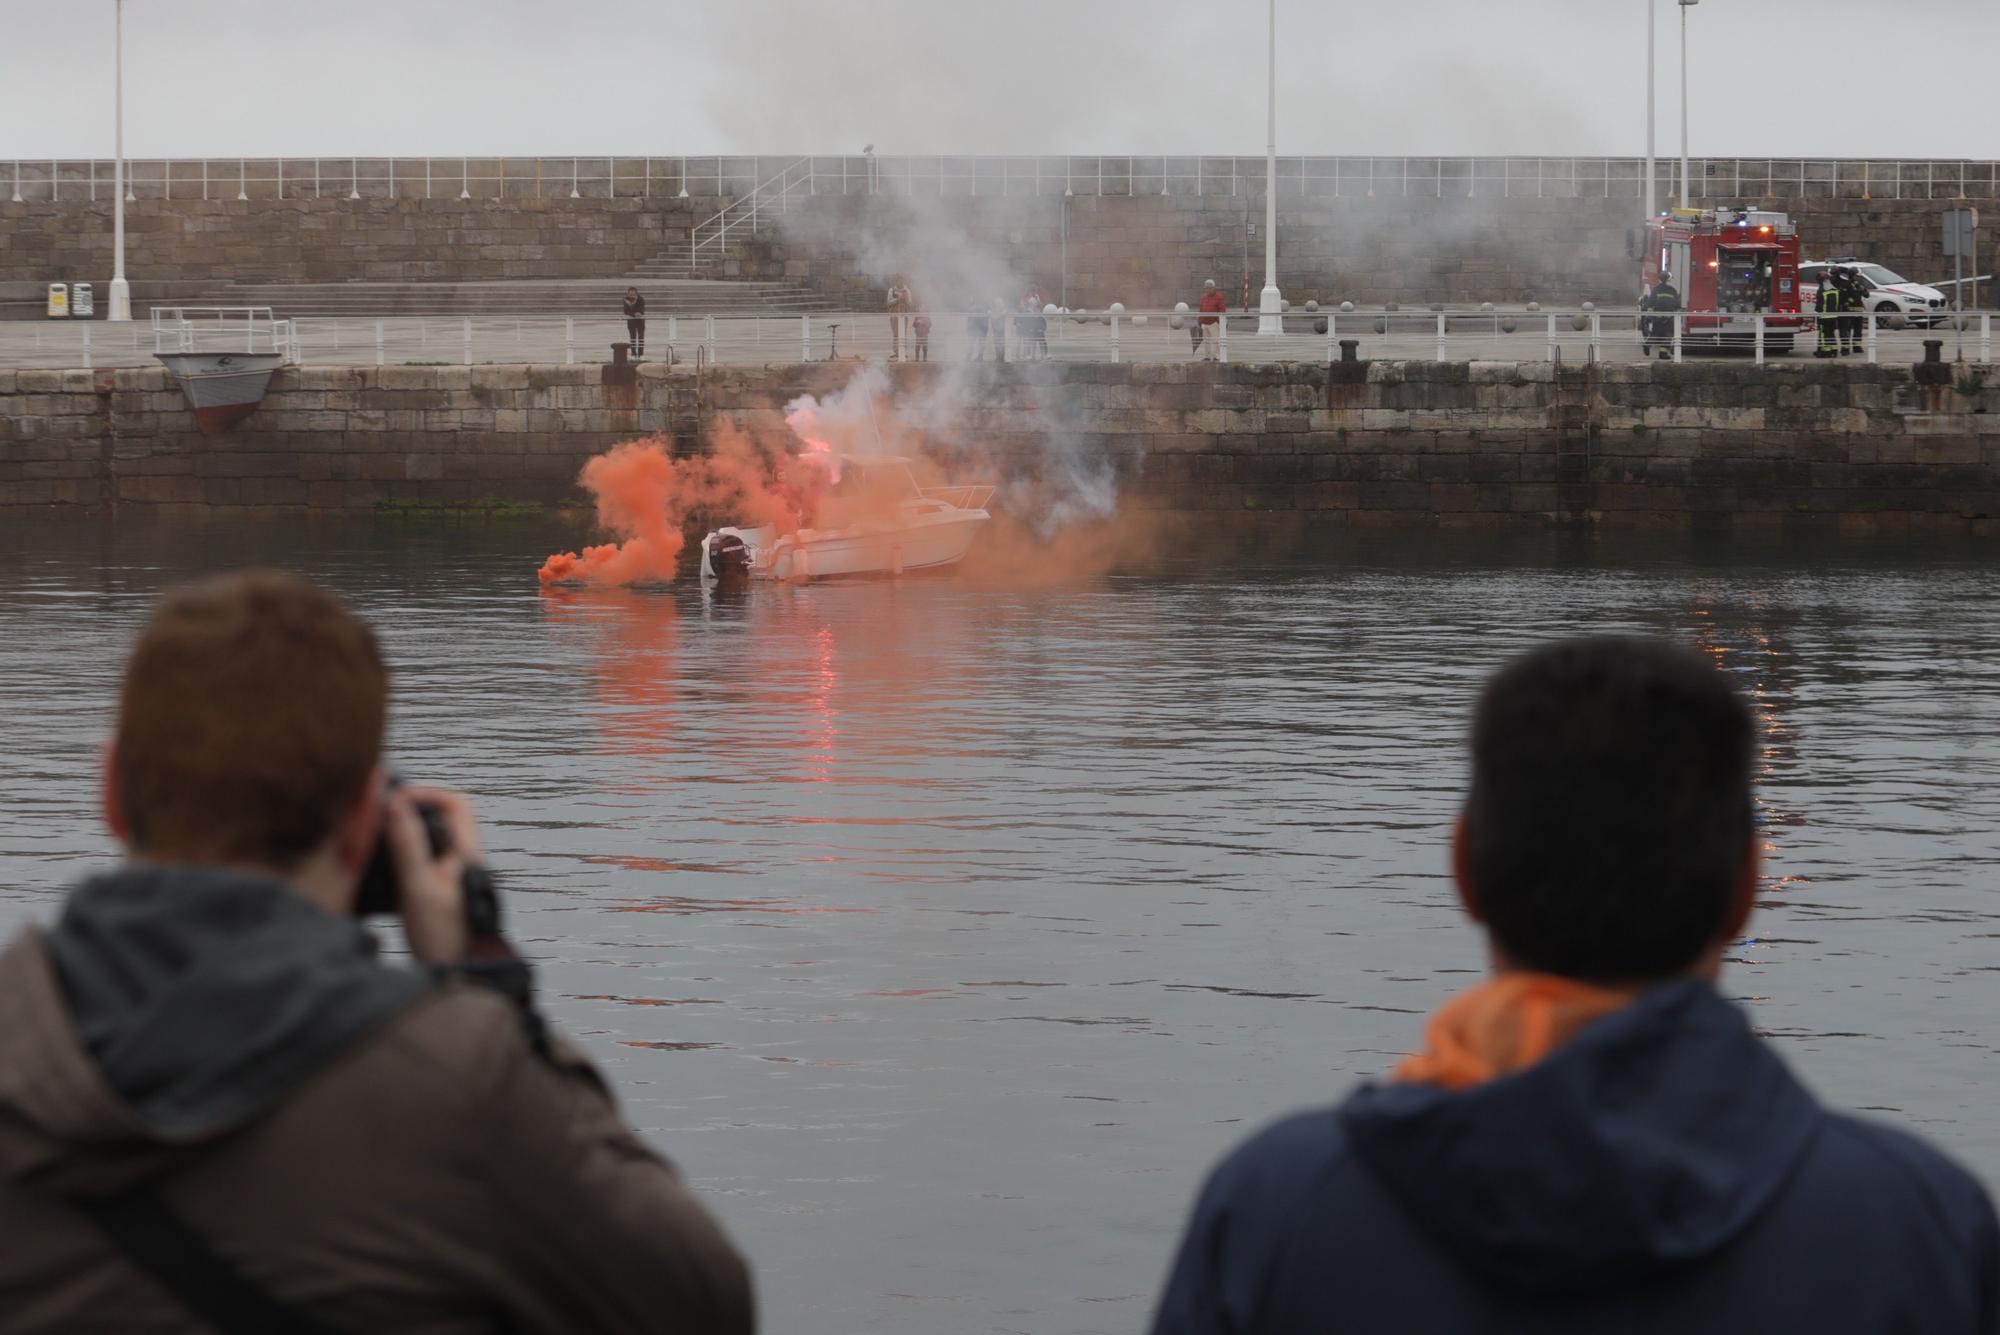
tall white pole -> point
(1270, 305)
(1652, 201)
(1685, 195)
(121, 291)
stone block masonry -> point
(1707, 446)
(1146, 249)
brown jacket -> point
(434, 1175)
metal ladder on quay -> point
(1571, 401)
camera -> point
(380, 892)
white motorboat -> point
(895, 526)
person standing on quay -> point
(1593, 1139)
(222, 1110)
(920, 336)
(899, 305)
(635, 321)
(1213, 306)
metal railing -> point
(600, 177)
(1463, 334)
(222, 329)
(709, 240)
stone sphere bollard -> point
(1284, 306)
(1346, 308)
(1589, 306)
(1117, 308)
(1898, 320)
(1534, 305)
(1486, 306)
(1579, 322)
(1319, 325)
(1381, 326)
(1049, 309)
(1180, 308)
(1391, 306)
(1312, 306)
(1508, 324)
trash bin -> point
(58, 301)
(82, 302)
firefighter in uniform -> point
(1828, 306)
(1852, 303)
(1654, 331)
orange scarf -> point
(1505, 1025)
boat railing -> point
(959, 497)
(223, 329)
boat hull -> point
(223, 388)
(935, 543)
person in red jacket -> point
(1213, 303)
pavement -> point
(773, 340)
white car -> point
(1889, 293)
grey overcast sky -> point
(663, 77)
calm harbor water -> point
(945, 933)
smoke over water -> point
(1056, 492)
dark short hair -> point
(251, 714)
(1610, 809)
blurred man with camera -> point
(220, 1110)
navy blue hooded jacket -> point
(1661, 1171)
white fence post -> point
(1331, 331)
(86, 346)
(468, 341)
(1552, 338)
(1222, 324)
(805, 338)
(1114, 339)
(1441, 354)
(1595, 330)
(378, 342)
(1678, 319)
(569, 339)
(1867, 337)
(709, 339)
(1985, 338)
(1759, 336)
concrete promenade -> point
(784, 340)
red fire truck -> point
(1730, 266)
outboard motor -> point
(728, 558)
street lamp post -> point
(1652, 168)
(1685, 193)
(121, 291)
(1270, 305)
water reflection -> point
(941, 932)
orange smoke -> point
(639, 495)
(647, 498)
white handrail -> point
(587, 176)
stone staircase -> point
(556, 297)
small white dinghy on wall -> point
(881, 522)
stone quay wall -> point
(1146, 250)
(333, 240)
(1714, 446)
